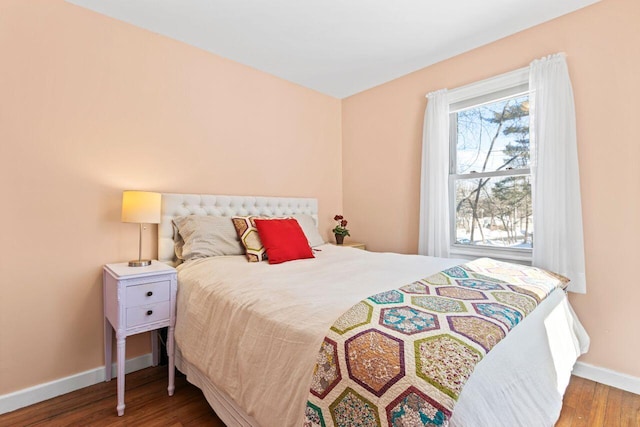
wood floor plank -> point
(630, 410)
(566, 417)
(586, 403)
(598, 405)
(583, 408)
(204, 421)
(572, 400)
(614, 407)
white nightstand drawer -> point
(148, 293)
(150, 313)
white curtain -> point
(557, 221)
(434, 198)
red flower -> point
(340, 228)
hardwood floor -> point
(148, 404)
(586, 403)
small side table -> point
(354, 245)
(136, 300)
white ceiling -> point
(338, 47)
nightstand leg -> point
(108, 338)
(121, 361)
(172, 362)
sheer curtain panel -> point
(558, 243)
(434, 199)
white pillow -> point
(206, 236)
(310, 229)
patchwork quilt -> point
(401, 357)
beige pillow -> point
(206, 236)
(247, 232)
(308, 225)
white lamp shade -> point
(142, 207)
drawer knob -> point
(149, 293)
(149, 312)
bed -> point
(248, 334)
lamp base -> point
(139, 263)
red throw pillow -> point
(283, 239)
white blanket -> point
(255, 329)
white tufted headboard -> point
(174, 205)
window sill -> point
(520, 256)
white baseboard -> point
(607, 377)
(29, 396)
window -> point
(489, 178)
(482, 188)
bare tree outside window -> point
(490, 176)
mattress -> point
(250, 332)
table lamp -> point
(141, 207)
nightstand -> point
(354, 245)
(136, 300)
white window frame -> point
(486, 91)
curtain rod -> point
(516, 75)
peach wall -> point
(382, 131)
(90, 106)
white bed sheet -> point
(254, 330)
